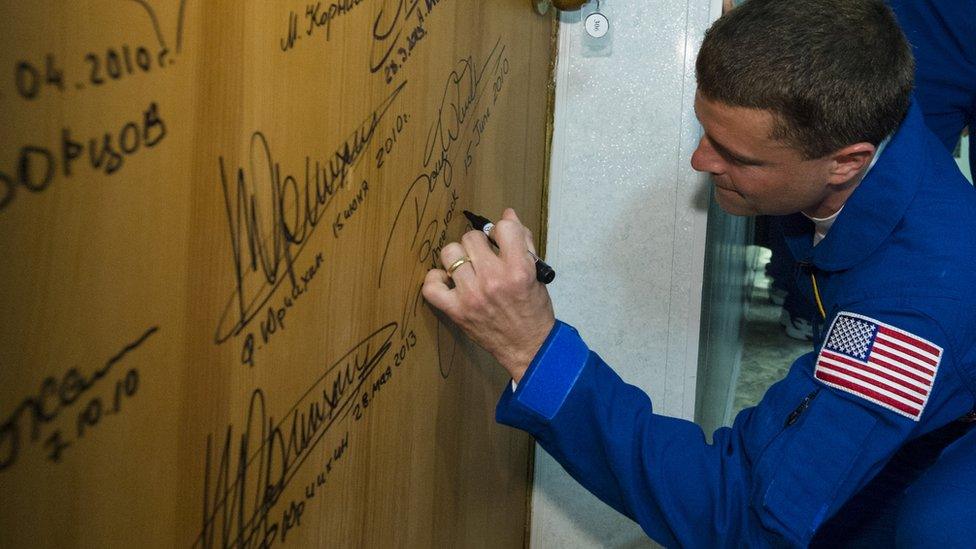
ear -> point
(847, 163)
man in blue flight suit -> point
(917, 489)
(805, 107)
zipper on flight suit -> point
(791, 419)
(798, 411)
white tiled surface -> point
(626, 229)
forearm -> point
(657, 470)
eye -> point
(732, 159)
(736, 161)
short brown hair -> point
(834, 72)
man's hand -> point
(495, 299)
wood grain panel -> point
(215, 217)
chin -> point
(732, 205)
(740, 212)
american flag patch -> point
(880, 363)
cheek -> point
(753, 183)
(740, 181)
(733, 202)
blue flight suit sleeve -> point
(769, 480)
(941, 32)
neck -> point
(835, 199)
(836, 195)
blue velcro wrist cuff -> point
(553, 372)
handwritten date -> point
(32, 77)
(36, 414)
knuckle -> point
(506, 225)
(450, 252)
(471, 236)
(522, 277)
(494, 285)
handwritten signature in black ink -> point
(266, 247)
(157, 28)
(420, 219)
(465, 86)
(247, 471)
(388, 51)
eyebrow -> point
(724, 151)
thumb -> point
(510, 214)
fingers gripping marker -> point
(487, 229)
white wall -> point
(627, 225)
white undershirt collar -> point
(823, 224)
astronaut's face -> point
(753, 173)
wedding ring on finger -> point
(457, 264)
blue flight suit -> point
(900, 258)
(943, 38)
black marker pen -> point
(543, 272)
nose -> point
(706, 159)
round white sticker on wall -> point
(597, 25)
